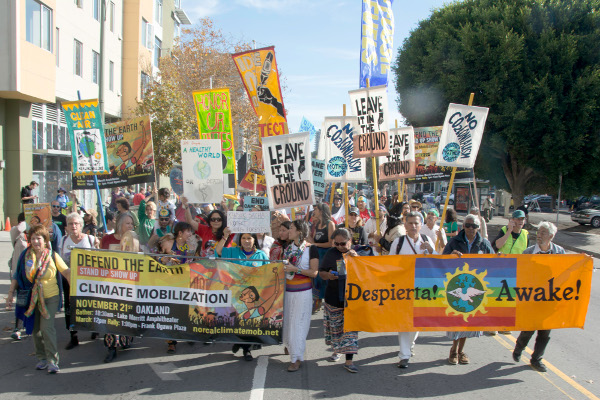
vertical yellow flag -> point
(258, 70)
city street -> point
(213, 371)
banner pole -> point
(400, 194)
(476, 195)
(331, 193)
(375, 188)
(450, 187)
(346, 199)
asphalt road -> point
(212, 371)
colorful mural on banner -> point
(400, 163)
(258, 70)
(470, 293)
(38, 213)
(247, 182)
(288, 170)
(213, 112)
(208, 300)
(461, 136)
(376, 42)
(426, 147)
(370, 106)
(88, 147)
(202, 170)
(318, 169)
(130, 155)
(251, 202)
(337, 149)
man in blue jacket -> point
(469, 241)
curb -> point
(578, 250)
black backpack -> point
(401, 241)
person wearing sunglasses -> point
(331, 269)
(209, 235)
(58, 217)
(165, 225)
(467, 241)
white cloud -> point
(204, 8)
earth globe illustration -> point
(202, 169)
(463, 283)
(87, 147)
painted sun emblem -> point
(465, 293)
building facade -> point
(54, 55)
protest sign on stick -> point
(288, 170)
(400, 163)
(251, 202)
(86, 133)
(337, 149)
(202, 170)
(370, 106)
(259, 73)
(318, 168)
(38, 213)
(249, 222)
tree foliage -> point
(535, 64)
(202, 53)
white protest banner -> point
(253, 201)
(318, 168)
(371, 108)
(337, 149)
(461, 136)
(249, 222)
(202, 170)
(401, 162)
(288, 170)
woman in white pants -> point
(298, 297)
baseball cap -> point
(434, 212)
(164, 213)
(353, 210)
(518, 214)
(362, 198)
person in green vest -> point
(512, 239)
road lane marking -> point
(165, 371)
(551, 367)
(260, 376)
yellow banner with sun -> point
(478, 292)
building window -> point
(95, 66)
(96, 10)
(111, 13)
(147, 34)
(57, 46)
(158, 12)
(145, 84)
(78, 58)
(38, 24)
(111, 76)
(157, 51)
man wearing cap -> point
(164, 226)
(356, 228)
(432, 230)
(512, 239)
(365, 214)
(415, 205)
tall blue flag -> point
(307, 126)
(376, 42)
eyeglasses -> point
(470, 225)
(164, 219)
(415, 207)
(216, 220)
(55, 206)
(339, 244)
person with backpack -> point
(74, 238)
(414, 242)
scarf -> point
(292, 255)
(37, 291)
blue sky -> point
(317, 45)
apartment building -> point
(53, 54)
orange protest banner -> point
(479, 292)
(258, 70)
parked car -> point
(451, 201)
(587, 202)
(587, 216)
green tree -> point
(202, 56)
(535, 64)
